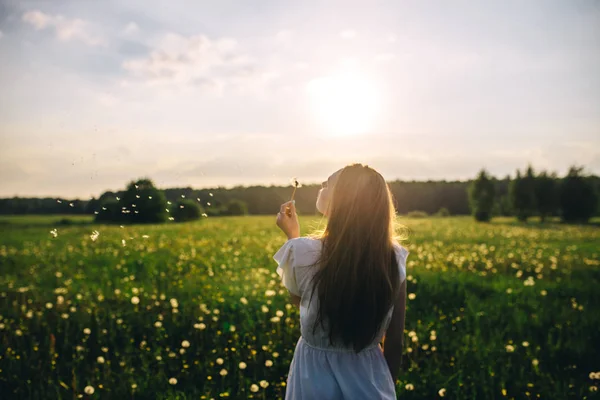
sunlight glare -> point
(344, 104)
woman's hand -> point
(287, 220)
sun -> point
(346, 103)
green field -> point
(172, 311)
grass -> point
(499, 310)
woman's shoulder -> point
(306, 249)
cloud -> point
(197, 60)
(283, 37)
(65, 29)
(1, 35)
(131, 29)
(385, 57)
(348, 34)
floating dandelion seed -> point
(183, 196)
(71, 205)
(137, 196)
(168, 202)
(150, 197)
(58, 201)
(208, 204)
(210, 194)
(145, 236)
(94, 235)
(136, 186)
(171, 218)
(205, 215)
(118, 199)
(123, 242)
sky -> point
(221, 93)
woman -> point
(350, 284)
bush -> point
(186, 210)
(442, 212)
(417, 214)
(235, 207)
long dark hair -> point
(358, 277)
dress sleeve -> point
(401, 256)
(285, 269)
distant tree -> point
(140, 203)
(186, 210)
(522, 194)
(546, 195)
(110, 212)
(578, 197)
(481, 196)
(235, 207)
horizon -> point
(205, 94)
(281, 185)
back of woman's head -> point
(358, 276)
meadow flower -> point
(243, 300)
(223, 372)
(87, 331)
(263, 384)
(275, 319)
(525, 344)
(157, 324)
(543, 292)
(279, 313)
(412, 296)
(254, 388)
(100, 360)
(49, 305)
(264, 309)
(89, 390)
(510, 348)
(185, 344)
(174, 303)
(409, 386)
(135, 300)
(173, 381)
(535, 362)
(268, 363)
(220, 361)
(442, 392)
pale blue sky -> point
(206, 93)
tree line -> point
(484, 197)
(574, 198)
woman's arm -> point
(394, 337)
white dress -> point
(318, 370)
